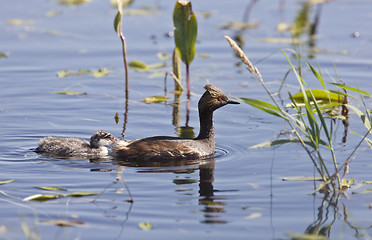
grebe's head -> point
(212, 99)
(101, 138)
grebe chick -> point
(174, 148)
(75, 147)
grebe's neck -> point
(206, 126)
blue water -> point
(239, 194)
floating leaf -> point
(3, 54)
(52, 13)
(184, 181)
(81, 194)
(254, 215)
(281, 40)
(145, 226)
(116, 118)
(100, 73)
(369, 190)
(6, 181)
(17, 21)
(139, 66)
(63, 223)
(155, 99)
(47, 197)
(156, 65)
(42, 198)
(203, 55)
(66, 73)
(185, 30)
(301, 178)
(321, 95)
(240, 25)
(163, 56)
(367, 182)
(51, 188)
(306, 236)
(71, 93)
(95, 73)
(73, 2)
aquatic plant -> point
(311, 129)
(118, 29)
(185, 31)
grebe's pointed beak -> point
(232, 102)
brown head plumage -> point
(212, 99)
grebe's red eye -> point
(219, 98)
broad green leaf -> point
(155, 99)
(302, 178)
(321, 95)
(145, 226)
(63, 223)
(73, 2)
(185, 30)
(71, 93)
(51, 188)
(264, 106)
(351, 89)
(117, 23)
(6, 181)
(3, 54)
(306, 236)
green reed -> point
(312, 129)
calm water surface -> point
(237, 195)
